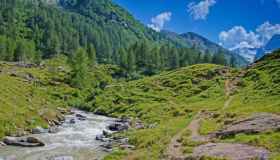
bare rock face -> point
(256, 124)
(230, 151)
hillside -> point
(175, 97)
(185, 97)
(34, 95)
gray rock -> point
(63, 158)
(118, 126)
(231, 151)
(126, 146)
(81, 116)
(99, 137)
(255, 124)
(53, 129)
(72, 121)
(38, 130)
(23, 142)
(2, 144)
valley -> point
(86, 80)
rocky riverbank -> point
(80, 135)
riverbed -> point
(73, 141)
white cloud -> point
(200, 11)
(238, 37)
(247, 42)
(267, 31)
(158, 22)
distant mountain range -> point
(201, 43)
(271, 46)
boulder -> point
(38, 130)
(53, 129)
(106, 133)
(80, 116)
(63, 158)
(2, 144)
(118, 127)
(23, 142)
(72, 121)
(99, 137)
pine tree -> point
(79, 65)
(219, 58)
(91, 54)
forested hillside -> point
(34, 30)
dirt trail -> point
(174, 150)
(194, 127)
(228, 91)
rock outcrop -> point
(255, 124)
(230, 151)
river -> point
(72, 142)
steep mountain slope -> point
(271, 46)
(33, 29)
(193, 40)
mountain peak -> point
(271, 46)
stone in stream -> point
(230, 151)
(72, 121)
(118, 126)
(63, 158)
(53, 129)
(12, 157)
(23, 142)
(39, 130)
(81, 116)
(2, 144)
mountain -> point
(193, 40)
(31, 30)
(271, 46)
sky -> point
(234, 24)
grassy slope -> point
(26, 104)
(169, 100)
(172, 98)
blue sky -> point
(211, 17)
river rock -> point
(63, 158)
(2, 144)
(53, 129)
(118, 127)
(106, 133)
(126, 146)
(12, 157)
(79, 116)
(99, 137)
(255, 124)
(38, 130)
(72, 121)
(23, 142)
